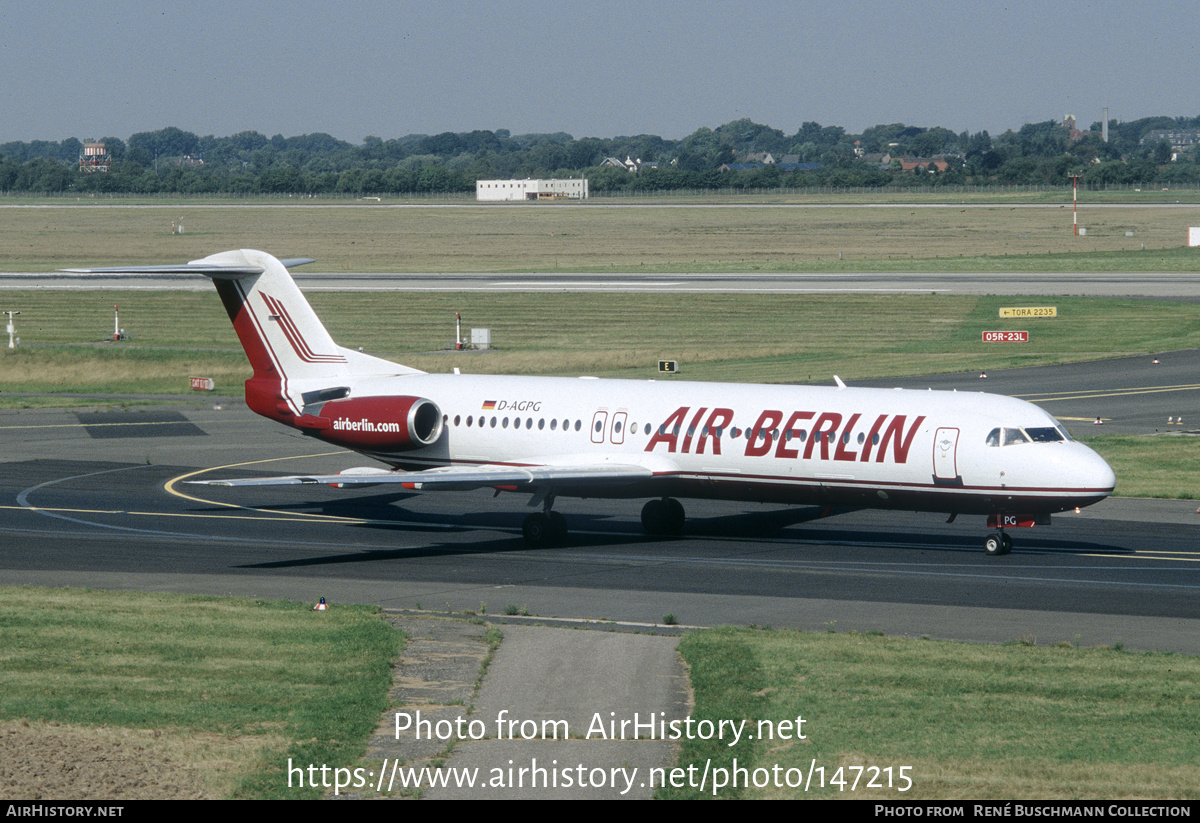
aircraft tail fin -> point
(296, 363)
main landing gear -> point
(544, 529)
(997, 543)
(663, 517)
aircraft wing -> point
(462, 478)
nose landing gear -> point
(997, 544)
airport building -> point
(569, 189)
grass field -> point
(979, 722)
(717, 235)
(741, 338)
(232, 688)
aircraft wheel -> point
(675, 515)
(652, 517)
(558, 527)
(993, 544)
(663, 517)
(1007, 540)
(538, 530)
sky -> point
(607, 68)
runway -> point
(1167, 286)
(99, 499)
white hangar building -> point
(569, 189)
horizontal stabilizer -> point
(207, 267)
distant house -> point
(1179, 139)
(762, 158)
(780, 166)
(1073, 134)
(915, 164)
(629, 164)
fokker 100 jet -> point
(551, 437)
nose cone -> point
(1091, 475)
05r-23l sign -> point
(1006, 337)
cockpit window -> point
(1011, 436)
(1014, 436)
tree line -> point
(171, 160)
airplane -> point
(550, 437)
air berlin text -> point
(805, 435)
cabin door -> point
(945, 454)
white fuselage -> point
(878, 448)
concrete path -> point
(554, 716)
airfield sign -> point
(1029, 311)
(1006, 337)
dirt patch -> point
(54, 761)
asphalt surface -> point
(1169, 286)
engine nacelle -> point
(388, 423)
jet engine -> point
(389, 423)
